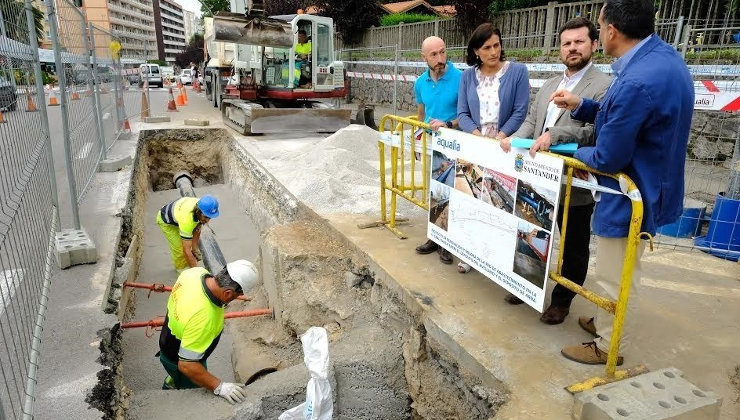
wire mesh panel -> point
(711, 215)
(84, 131)
(27, 216)
(106, 49)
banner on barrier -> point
(495, 210)
(394, 140)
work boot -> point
(444, 256)
(427, 247)
(169, 383)
(588, 354)
(588, 325)
(513, 300)
(554, 315)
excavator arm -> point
(252, 27)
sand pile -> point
(337, 174)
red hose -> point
(161, 288)
(158, 322)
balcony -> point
(143, 5)
(131, 12)
(130, 24)
(134, 35)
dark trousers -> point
(576, 252)
(181, 381)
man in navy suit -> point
(642, 129)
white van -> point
(151, 73)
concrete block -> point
(74, 247)
(660, 395)
(114, 163)
(159, 119)
(197, 122)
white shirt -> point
(487, 89)
(567, 83)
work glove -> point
(231, 392)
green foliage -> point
(351, 16)
(396, 18)
(160, 62)
(284, 7)
(193, 52)
(14, 21)
(209, 7)
(48, 79)
(727, 55)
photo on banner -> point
(495, 210)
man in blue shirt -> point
(642, 129)
(436, 98)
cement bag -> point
(318, 405)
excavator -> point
(275, 74)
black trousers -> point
(576, 252)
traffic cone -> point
(53, 101)
(197, 87)
(30, 105)
(180, 98)
(2, 118)
(185, 94)
(75, 96)
(126, 125)
(144, 105)
(88, 93)
(171, 107)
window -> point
(322, 45)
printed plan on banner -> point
(495, 210)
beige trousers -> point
(609, 260)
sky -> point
(192, 5)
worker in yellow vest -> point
(180, 222)
(303, 53)
(194, 323)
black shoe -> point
(444, 256)
(427, 247)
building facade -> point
(132, 21)
(169, 26)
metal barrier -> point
(28, 206)
(107, 77)
(403, 144)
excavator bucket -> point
(249, 118)
(240, 29)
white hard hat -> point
(244, 273)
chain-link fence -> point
(711, 216)
(27, 201)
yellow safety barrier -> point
(618, 308)
(400, 149)
(403, 146)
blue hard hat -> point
(209, 206)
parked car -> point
(152, 74)
(186, 77)
(8, 97)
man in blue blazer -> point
(642, 129)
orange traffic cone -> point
(53, 101)
(30, 105)
(171, 107)
(197, 87)
(166, 83)
(144, 105)
(185, 94)
(2, 118)
(180, 98)
(126, 125)
(75, 96)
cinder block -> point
(73, 247)
(159, 119)
(659, 395)
(114, 163)
(200, 123)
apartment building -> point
(169, 27)
(192, 24)
(132, 21)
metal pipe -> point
(213, 258)
(161, 288)
(155, 323)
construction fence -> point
(72, 96)
(384, 77)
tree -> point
(351, 16)
(193, 52)
(284, 7)
(470, 14)
(210, 7)
(14, 21)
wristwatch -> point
(449, 124)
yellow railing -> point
(403, 145)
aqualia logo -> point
(448, 144)
(519, 162)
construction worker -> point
(303, 56)
(194, 323)
(180, 222)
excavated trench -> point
(383, 363)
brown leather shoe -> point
(588, 354)
(588, 325)
(427, 247)
(444, 256)
(554, 315)
(513, 300)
